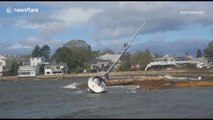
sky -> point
(172, 28)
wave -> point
(180, 78)
(71, 86)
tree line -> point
(77, 54)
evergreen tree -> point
(199, 53)
(37, 51)
(209, 50)
(45, 51)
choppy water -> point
(60, 99)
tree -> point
(45, 51)
(125, 62)
(199, 53)
(12, 68)
(36, 52)
(67, 56)
(141, 58)
(159, 55)
(81, 50)
(41, 52)
(209, 50)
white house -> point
(2, 64)
(99, 65)
(28, 71)
(55, 69)
(112, 58)
(35, 61)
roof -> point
(2, 57)
(27, 68)
(97, 61)
(56, 64)
(109, 57)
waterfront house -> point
(110, 57)
(55, 69)
(28, 71)
(103, 62)
(98, 65)
(169, 63)
(2, 64)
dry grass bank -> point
(155, 83)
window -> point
(48, 67)
(24, 73)
(47, 72)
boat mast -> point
(106, 75)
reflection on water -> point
(61, 99)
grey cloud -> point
(160, 17)
(42, 18)
(177, 47)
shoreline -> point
(156, 83)
(208, 75)
(147, 80)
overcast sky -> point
(171, 27)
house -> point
(98, 65)
(28, 71)
(2, 64)
(35, 61)
(102, 63)
(55, 69)
(110, 57)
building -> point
(110, 57)
(35, 61)
(98, 65)
(28, 71)
(169, 63)
(2, 64)
(55, 69)
(103, 62)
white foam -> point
(180, 78)
(71, 86)
(131, 92)
(125, 86)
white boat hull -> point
(96, 85)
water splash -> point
(71, 86)
(180, 78)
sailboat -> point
(97, 84)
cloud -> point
(177, 47)
(113, 22)
(17, 46)
(126, 18)
(75, 16)
(50, 25)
